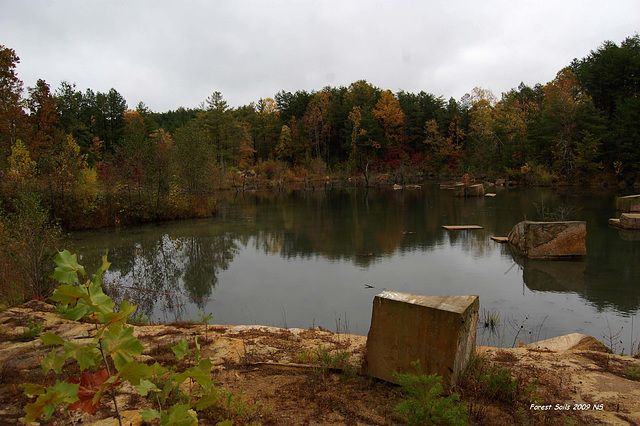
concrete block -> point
(439, 331)
(628, 204)
(550, 240)
(474, 190)
(630, 220)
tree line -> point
(77, 148)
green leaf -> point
(53, 362)
(88, 356)
(60, 393)
(52, 339)
(99, 302)
(146, 386)
(181, 349)
(78, 312)
(97, 277)
(200, 373)
(196, 352)
(149, 415)
(68, 268)
(120, 343)
(210, 398)
(134, 371)
(32, 389)
(179, 415)
(226, 423)
(69, 294)
(118, 318)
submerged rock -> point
(550, 240)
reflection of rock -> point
(557, 275)
(629, 203)
(629, 235)
(458, 189)
(439, 331)
(629, 224)
(549, 240)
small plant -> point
(491, 319)
(561, 213)
(490, 382)
(425, 405)
(634, 372)
(205, 319)
(33, 330)
(327, 361)
(332, 360)
(113, 339)
(307, 356)
(613, 339)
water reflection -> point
(312, 256)
(161, 272)
(552, 275)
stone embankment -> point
(273, 369)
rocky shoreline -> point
(279, 377)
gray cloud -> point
(170, 54)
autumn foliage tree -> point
(13, 124)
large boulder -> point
(438, 331)
(550, 240)
(570, 342)
(628, 204)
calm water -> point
(307, 259)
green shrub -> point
(425, 405)
(28, 240)
(33, 330)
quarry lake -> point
(315, 258)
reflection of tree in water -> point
(206, 257)
(358, 226)
(363, 228)
(164, 274)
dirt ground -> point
(279, 376)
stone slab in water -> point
(458, 189)
(629, 204)
(461, 227)
(550, 240)
(474, 190)
(465, 190)
(439, 331)
(630, 220)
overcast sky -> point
(176, 53)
